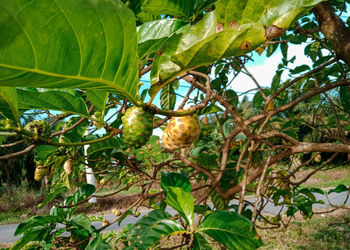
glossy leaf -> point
(82, 221)
(339, 189)
(29, 236)
(8, 103)
(84, 192)
(180, 8)
(35, 222)
(168, 97)
(54, 192)
(95, 243)
(182, 202)
(153, 227)
(200, 242)
(233, 29)
(98, 98)
(208, 110)
(230, 229)
(85, 44)
(43, 152)
(111, 143)
(67, 101)
(173, 179)
(152, 35)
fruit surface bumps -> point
(137, 127)
(181, 132)
(39, 127)
(68, 166)
(40, 172)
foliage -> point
(81, 64)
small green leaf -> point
(175, 180)
(230, 229)
(84, 192)
(231, 97)
(54, 192)
(111, 144)
(300, 68)
(168, 97)
(182, 202)
(208, 110)
(317, 190)
(339, 189)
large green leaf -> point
(60, 188)
(97, 98)
(68, 101)
(35, 222)
(29, 236)
(173, 179)
(8, 103)
(95, 243)
(233, 29)
(180, 8)
(182, 202)
(81, 220)
(42, 152)
(200, 242)
(152, 35)
(85, 44)
(230, 229)
(151, 228)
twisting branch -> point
(14, 155)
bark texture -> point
(334, 29)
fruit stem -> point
(154, 109)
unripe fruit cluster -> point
(38, 127)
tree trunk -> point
(334, 29)
(90, 177)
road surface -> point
(7, 231)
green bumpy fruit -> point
(38, 127)
(181, 132)
(137, 127)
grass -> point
(330, 178)
(109, 190)
(19, 204)
(15, 216)
(328, 233)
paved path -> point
(7, 231)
